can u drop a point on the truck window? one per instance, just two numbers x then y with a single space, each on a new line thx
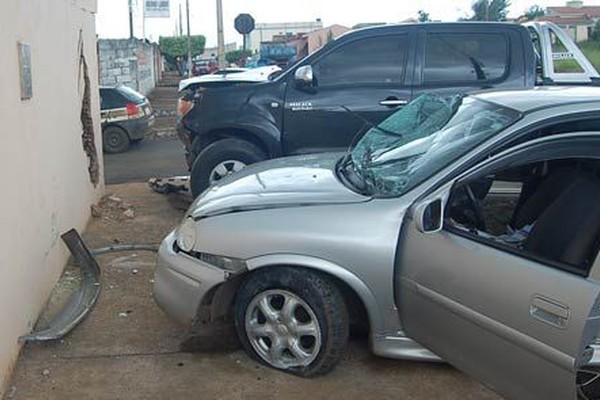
377 60
464 58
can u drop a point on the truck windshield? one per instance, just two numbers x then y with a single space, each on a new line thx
427 135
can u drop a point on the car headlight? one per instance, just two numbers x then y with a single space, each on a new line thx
186 235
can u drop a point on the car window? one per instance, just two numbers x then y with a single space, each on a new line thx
377 60
131 94
544 210
110 98
464 58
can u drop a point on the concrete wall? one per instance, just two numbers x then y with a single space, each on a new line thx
130 62
46 188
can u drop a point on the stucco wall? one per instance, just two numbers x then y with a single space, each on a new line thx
130 62
46 187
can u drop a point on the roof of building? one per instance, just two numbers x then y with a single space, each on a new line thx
588 11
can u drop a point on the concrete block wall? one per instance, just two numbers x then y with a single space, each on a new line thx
129 62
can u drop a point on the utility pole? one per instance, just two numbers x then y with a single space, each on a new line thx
180 22
220 37
189 38
130 20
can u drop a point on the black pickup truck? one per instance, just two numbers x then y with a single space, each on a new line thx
328 98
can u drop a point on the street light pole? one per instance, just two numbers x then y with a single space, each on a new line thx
220 37
189 39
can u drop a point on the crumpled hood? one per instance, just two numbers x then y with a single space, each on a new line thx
285 182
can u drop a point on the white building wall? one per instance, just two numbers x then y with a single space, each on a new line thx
46 188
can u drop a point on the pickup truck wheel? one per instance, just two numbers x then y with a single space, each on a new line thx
292 320
220 159
114 140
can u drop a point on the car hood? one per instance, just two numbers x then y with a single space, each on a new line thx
259 74
285 182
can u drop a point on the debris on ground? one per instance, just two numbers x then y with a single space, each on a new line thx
46 372
113 208
177 189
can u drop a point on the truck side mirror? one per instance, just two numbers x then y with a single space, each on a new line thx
429 216
304 78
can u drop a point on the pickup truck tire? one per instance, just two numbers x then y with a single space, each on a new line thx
114 140
222 158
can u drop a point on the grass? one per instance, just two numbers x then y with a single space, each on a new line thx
591 49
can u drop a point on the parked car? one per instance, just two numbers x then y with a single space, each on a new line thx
204 66
464 228
322 101
126 117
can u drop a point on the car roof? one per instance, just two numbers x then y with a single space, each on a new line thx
531 99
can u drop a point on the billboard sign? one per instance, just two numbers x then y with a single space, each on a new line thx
156 9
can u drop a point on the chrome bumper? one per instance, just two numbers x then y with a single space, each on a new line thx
181 281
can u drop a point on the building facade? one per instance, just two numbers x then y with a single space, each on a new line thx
265 32
577 19
50 152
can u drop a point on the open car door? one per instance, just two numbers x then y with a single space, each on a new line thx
516 322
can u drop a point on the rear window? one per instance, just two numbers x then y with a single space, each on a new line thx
131 95
465 58
110 98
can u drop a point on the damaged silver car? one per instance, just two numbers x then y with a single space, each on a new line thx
465 229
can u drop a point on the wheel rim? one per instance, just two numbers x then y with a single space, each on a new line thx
115 140
224 169
283 329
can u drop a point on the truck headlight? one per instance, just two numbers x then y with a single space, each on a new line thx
186 235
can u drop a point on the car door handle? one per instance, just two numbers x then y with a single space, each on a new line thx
549 311
393 102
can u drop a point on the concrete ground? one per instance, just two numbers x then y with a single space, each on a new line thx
128 348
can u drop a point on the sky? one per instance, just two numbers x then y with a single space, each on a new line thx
112 17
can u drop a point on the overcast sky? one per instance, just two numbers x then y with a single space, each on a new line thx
112 17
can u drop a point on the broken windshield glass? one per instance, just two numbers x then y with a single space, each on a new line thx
425 136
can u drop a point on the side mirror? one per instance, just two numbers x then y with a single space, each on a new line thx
429 216
304 78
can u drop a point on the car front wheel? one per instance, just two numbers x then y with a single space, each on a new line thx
293 320
220 159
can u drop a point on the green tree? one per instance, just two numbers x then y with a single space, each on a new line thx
534 12
330 37
173 47
237 57
423 16
595 36
490 10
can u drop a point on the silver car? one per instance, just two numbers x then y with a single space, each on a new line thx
465 229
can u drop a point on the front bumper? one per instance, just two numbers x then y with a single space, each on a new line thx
181 281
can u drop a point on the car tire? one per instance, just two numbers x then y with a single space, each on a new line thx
114 140
220 159
292 319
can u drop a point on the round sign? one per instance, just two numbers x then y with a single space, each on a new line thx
244 24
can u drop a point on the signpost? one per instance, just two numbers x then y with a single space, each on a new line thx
244 24
157 9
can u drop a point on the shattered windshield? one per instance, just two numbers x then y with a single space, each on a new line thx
422 138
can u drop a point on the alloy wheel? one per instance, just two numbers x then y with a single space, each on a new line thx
224 169
283 329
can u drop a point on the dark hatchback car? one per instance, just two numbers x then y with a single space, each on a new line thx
126 117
